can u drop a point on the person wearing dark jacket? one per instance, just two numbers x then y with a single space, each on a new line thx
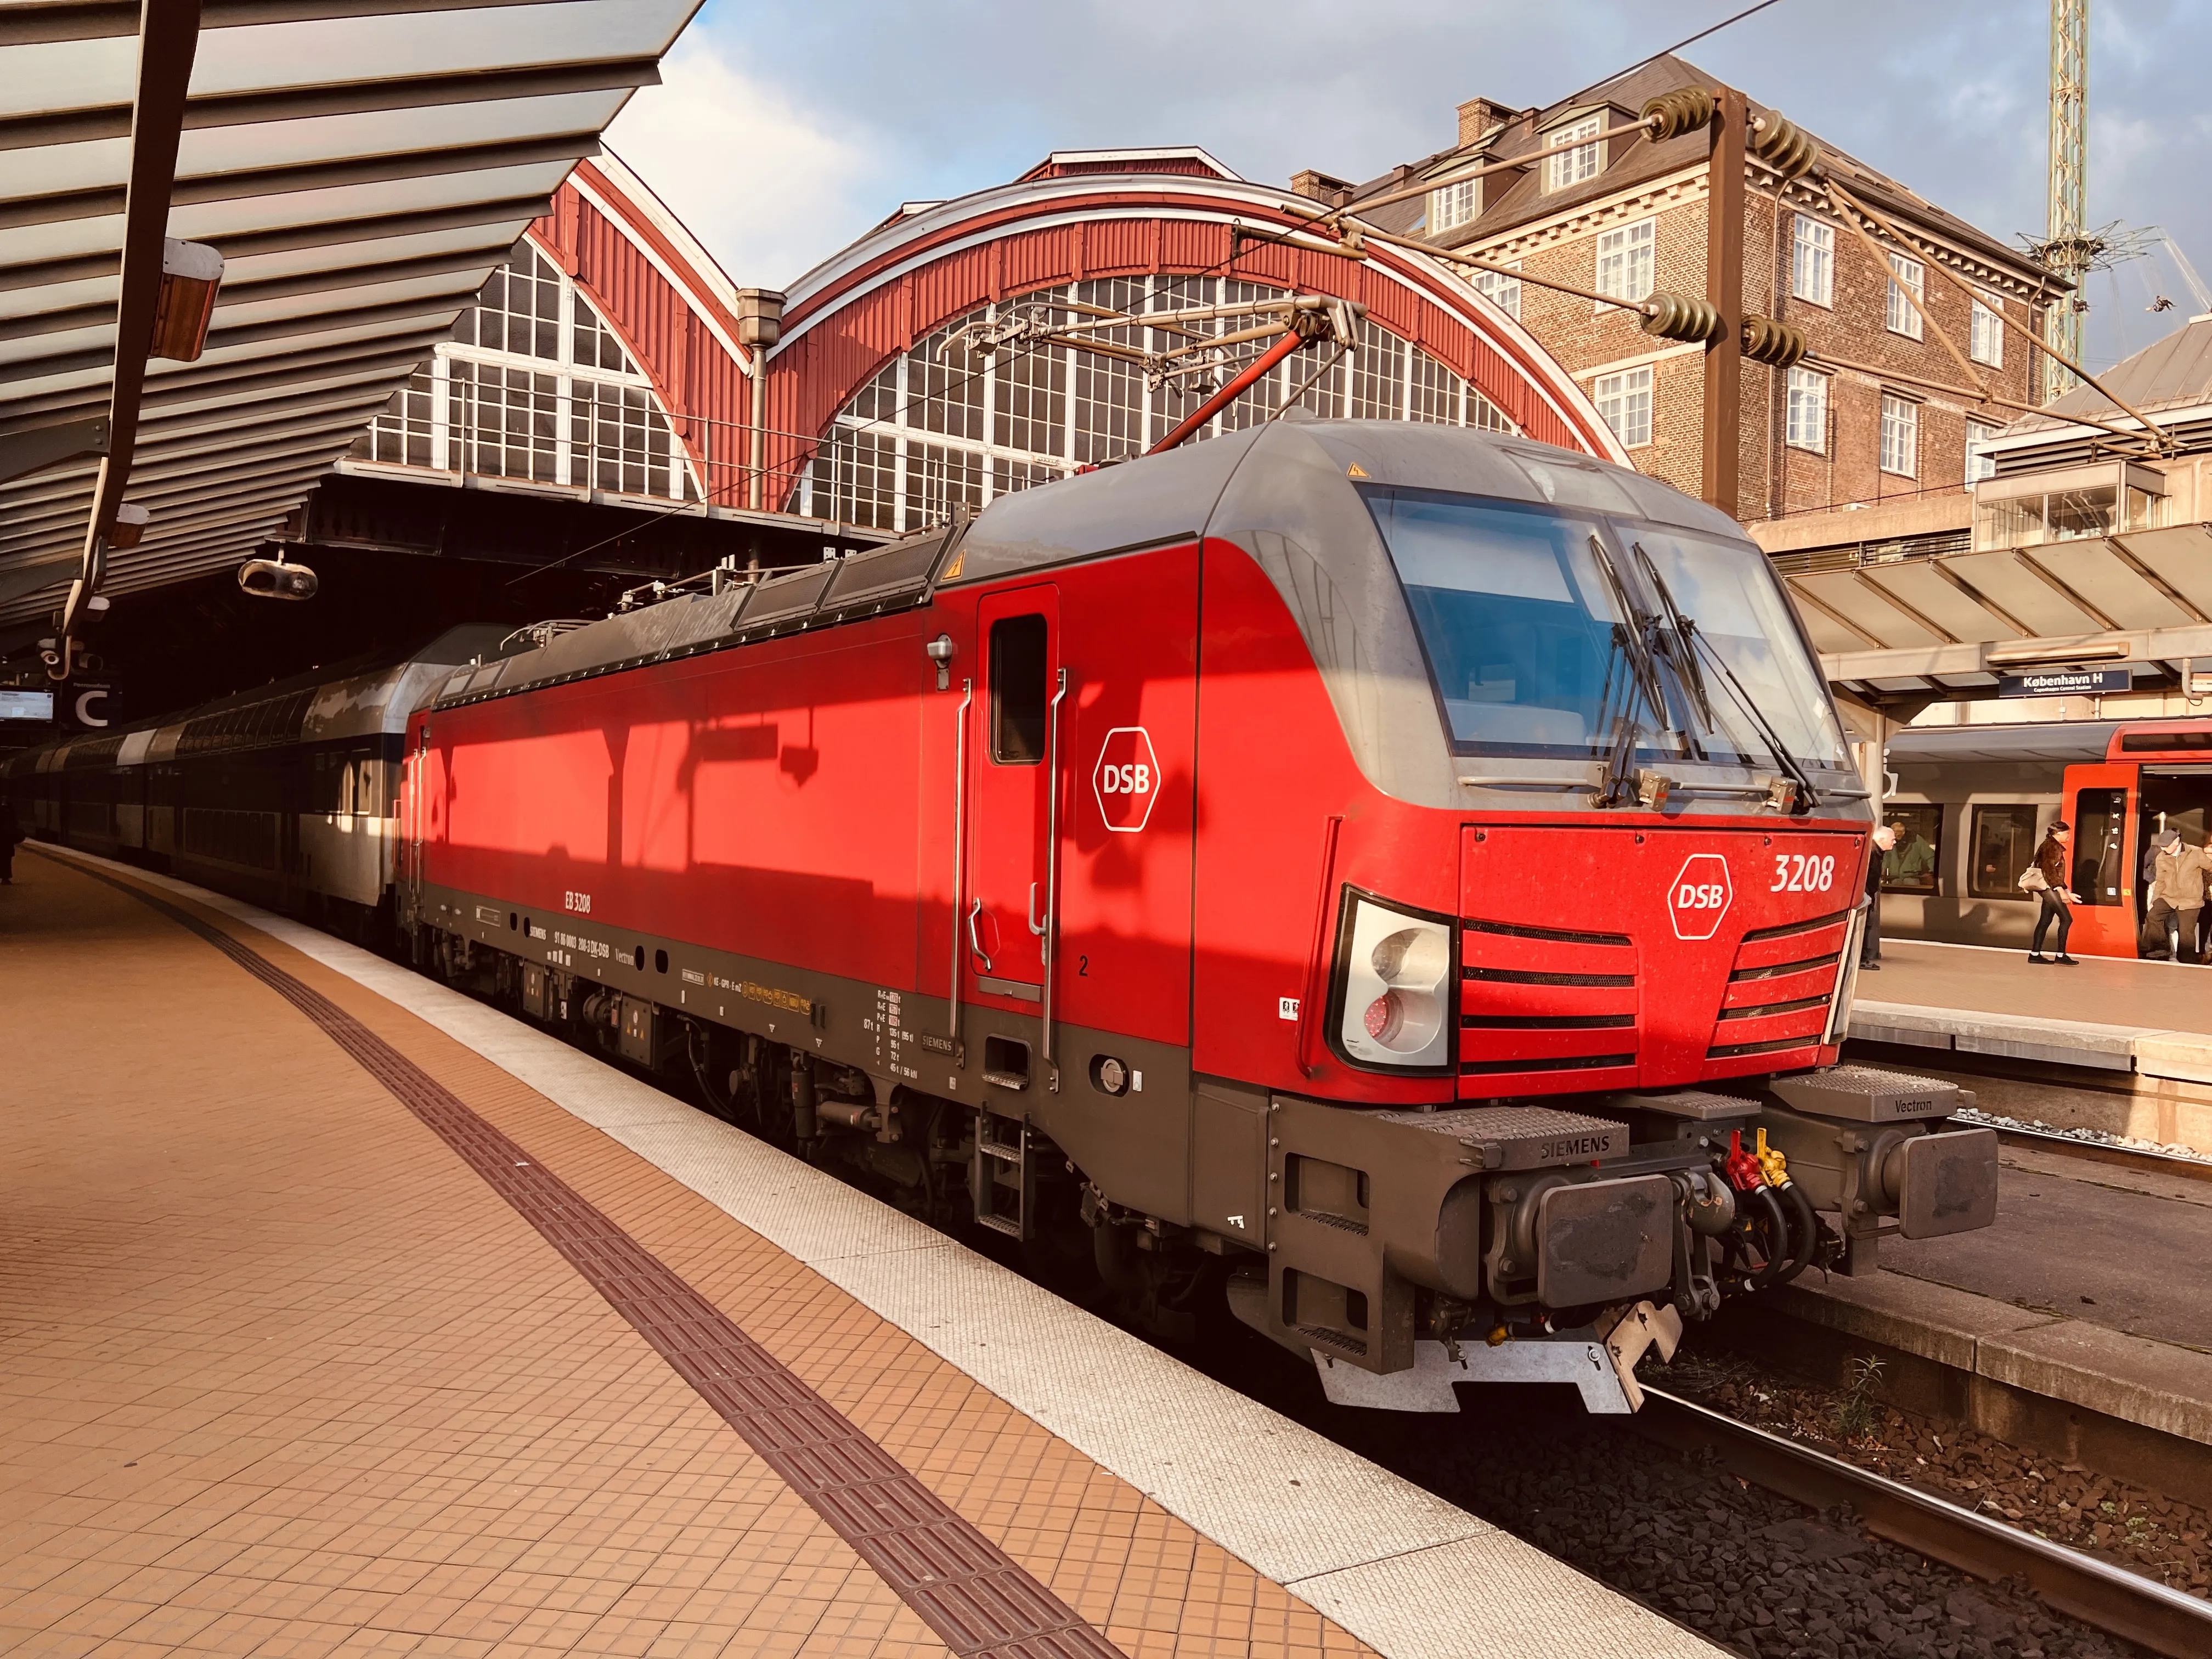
2050 859
1884 838
10 833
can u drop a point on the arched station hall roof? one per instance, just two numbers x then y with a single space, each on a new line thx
1084 215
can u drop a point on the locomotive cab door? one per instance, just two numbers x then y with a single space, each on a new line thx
2099 802
1013 754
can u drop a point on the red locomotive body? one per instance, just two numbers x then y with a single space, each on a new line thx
1244 854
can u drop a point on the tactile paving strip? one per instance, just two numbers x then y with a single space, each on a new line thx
971 1593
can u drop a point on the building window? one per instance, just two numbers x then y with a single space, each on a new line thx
1900 436
1908 280
1455 204
1625 400
1501 290
1807 426
1624 260
1979 464
1911 865
1986 343
1575 152
1813 261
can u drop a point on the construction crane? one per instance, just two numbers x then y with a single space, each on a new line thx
2069 249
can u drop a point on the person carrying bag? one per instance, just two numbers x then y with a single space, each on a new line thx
2045 878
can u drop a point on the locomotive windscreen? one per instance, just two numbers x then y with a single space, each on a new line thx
1546 629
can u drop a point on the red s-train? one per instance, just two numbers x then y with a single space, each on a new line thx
1243 854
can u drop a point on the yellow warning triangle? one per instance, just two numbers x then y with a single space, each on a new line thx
1356 471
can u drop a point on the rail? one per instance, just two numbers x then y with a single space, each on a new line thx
2119 1603
2141 1159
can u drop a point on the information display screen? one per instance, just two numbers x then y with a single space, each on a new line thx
26 705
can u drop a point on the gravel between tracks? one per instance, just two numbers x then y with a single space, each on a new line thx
1757 1573
2160 1537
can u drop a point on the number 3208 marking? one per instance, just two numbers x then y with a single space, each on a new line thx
1800 873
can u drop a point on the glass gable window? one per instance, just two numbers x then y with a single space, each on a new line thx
535 385
1527 616
1813 260
940 426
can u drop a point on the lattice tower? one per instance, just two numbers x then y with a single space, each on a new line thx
2069 249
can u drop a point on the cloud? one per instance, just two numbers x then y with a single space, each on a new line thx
844 111
767 184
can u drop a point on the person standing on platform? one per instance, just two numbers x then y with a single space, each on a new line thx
2177 895
1878 863
2050 860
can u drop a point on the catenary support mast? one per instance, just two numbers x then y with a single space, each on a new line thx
2067 246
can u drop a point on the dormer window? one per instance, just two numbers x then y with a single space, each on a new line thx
1576 151
1455 204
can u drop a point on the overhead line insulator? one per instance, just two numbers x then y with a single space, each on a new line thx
1681 316
1774 343
1686 109
1783 145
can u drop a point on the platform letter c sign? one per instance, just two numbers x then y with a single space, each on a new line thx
1700 896
1127 779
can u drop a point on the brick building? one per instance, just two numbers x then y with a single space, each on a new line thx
1612 210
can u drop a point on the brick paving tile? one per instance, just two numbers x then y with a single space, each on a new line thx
288 1381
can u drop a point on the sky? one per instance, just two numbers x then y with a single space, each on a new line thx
783 130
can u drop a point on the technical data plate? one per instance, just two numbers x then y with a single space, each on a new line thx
1866 1094
1521 1137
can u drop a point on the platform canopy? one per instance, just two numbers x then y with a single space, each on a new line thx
360 166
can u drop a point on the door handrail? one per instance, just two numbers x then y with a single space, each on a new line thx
959 845
1051 869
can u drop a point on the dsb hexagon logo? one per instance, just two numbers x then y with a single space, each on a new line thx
1700 896
1127 779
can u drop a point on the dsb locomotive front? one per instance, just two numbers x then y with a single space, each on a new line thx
1405 877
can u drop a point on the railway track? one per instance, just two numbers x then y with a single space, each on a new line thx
2138 1158
2110 1599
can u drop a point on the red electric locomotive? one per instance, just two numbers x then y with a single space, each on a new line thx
1416 869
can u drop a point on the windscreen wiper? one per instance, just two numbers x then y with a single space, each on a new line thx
1680 651
1633 635
1808 797
1690 640
1632 646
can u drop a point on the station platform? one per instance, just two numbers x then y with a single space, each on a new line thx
343 1315
2131 1040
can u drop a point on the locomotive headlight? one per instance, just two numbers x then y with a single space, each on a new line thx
1395 996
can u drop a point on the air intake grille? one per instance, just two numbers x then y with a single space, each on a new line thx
1535 1002
1778 988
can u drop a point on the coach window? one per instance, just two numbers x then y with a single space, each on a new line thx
1910 866
1017 692
2004 843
